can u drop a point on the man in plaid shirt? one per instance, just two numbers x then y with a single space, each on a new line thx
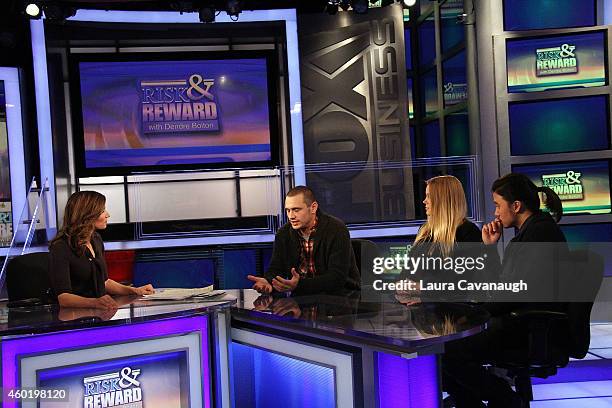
312 252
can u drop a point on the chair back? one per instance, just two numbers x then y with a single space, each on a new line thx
27 276
365 252
588 272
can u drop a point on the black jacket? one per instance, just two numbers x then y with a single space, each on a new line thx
527 250
334 258
535 255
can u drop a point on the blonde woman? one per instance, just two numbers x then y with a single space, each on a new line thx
446 225
446 210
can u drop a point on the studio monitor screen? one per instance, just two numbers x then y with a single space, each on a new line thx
582 186
152 112
576 60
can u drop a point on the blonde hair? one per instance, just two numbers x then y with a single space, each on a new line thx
448 210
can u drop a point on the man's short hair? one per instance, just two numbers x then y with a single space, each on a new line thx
309 196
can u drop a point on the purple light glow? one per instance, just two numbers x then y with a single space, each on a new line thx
12 350
407 383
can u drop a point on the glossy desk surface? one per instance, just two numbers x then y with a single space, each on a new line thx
387 324
51 318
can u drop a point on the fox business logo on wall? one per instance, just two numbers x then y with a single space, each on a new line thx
181 105
568 185
119 389
556 60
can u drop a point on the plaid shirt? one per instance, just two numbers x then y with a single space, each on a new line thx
307 265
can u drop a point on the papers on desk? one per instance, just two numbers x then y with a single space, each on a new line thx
181 294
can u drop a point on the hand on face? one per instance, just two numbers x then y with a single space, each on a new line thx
491 232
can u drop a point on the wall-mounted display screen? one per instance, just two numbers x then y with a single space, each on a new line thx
159 380
582 186
559 125
575 60
148 112
542 14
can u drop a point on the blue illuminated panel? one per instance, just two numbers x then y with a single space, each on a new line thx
427 43
265 379
408 49
540 14
558 126
431 143
407 383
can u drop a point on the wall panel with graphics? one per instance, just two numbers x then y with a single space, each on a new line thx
553 114
354 95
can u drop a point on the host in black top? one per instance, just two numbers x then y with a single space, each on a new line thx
77 270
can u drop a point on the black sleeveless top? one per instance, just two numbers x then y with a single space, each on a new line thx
81 275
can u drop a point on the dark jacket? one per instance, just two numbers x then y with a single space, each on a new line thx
334 258
534 255
526 251
70 272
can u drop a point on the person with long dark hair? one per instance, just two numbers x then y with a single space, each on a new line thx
517 205
77 270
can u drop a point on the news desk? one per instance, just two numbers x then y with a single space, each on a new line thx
146 354
240 350
330 351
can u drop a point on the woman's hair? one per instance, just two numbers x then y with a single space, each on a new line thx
82 210
518 187
448 210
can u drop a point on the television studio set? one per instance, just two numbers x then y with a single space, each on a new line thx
358 203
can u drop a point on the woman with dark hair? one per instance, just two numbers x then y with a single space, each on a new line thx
77 270
530 257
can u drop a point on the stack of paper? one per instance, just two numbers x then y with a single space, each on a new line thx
178 293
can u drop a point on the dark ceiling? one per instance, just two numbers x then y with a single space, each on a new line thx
300 5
